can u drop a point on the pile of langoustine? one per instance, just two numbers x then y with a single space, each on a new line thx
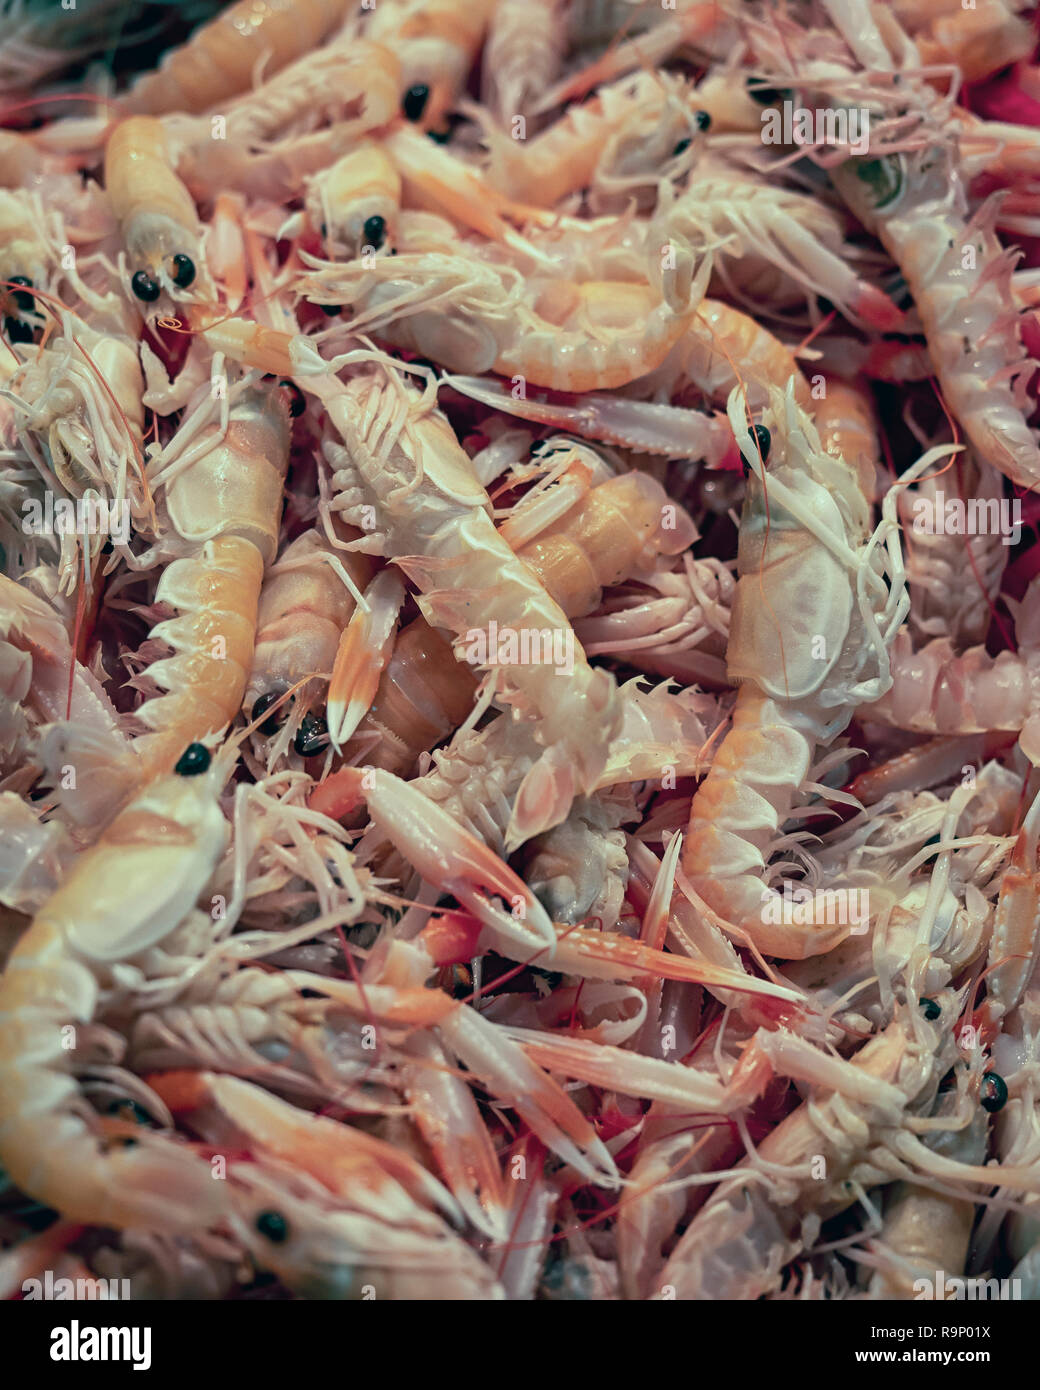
353 952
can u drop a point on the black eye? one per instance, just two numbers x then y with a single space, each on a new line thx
680 147
415 100
993 1092
195 759
297 405
766 96
312 737
273 1226
18 332
261 706
183 271
703 119
764 440
25 302
930 1009
374 231
144 286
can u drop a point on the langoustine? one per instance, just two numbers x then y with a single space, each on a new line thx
459 939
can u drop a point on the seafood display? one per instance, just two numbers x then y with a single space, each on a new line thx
520 649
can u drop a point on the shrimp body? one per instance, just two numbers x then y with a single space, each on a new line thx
566 157
1008 1021
25 247
720 342
675 622
980 40
436 42
613 532
788 229
739 1242
656 726
919 213
355 202
424 693
844 416
231 483
224 508
235 1024
790 700
350 85
941 605
707 29
156 213
648 1216
501 756
593 336
373 1216
304 609
616 532
469 576
40 679
332 1251
928 1231
123 896
437 180
585 338
88 383
522 55
222 57
397 999
735 817
936 691
455 862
